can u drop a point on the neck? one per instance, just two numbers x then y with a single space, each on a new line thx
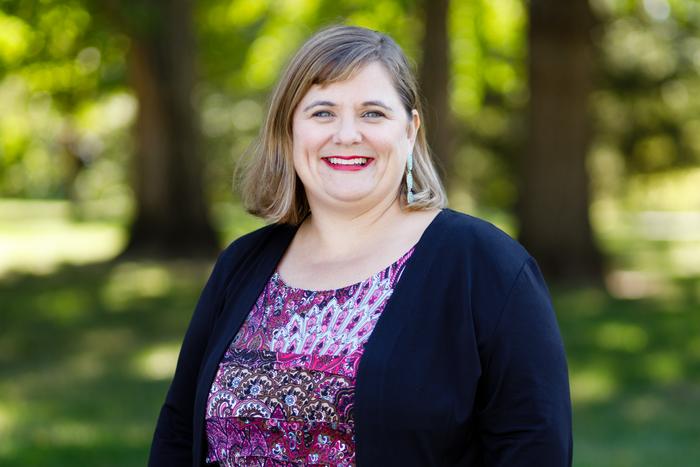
338 234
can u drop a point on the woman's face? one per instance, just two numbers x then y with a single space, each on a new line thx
351 140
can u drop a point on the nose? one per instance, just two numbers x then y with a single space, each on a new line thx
347 132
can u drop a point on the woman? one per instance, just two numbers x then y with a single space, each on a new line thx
367 324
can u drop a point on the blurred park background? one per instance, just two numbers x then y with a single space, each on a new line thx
573 125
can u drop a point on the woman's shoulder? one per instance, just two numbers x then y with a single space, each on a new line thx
492 262
467 247
256 242
469 235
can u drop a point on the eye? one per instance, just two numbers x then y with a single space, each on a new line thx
322 114
373 114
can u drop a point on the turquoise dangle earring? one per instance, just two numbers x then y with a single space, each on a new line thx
409 178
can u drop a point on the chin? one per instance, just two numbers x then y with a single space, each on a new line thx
350 195
347 192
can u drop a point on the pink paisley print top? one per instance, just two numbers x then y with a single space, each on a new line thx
284 391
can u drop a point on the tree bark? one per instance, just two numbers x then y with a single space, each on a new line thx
171 216
553 193
435 84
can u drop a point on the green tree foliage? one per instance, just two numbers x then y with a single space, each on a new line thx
65 105
647 107
489 92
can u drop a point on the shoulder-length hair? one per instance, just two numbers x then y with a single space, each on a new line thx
270 187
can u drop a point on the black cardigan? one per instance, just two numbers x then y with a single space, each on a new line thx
465 367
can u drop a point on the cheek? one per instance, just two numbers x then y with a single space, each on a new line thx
307 137
394 144
307 143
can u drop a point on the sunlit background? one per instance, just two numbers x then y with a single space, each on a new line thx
89 337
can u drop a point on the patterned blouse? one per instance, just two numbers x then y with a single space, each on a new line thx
284 391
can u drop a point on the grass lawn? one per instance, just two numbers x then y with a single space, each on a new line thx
87 346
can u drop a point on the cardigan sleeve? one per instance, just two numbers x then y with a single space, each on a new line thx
172 441
524 409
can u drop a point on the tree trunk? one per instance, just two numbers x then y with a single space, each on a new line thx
553 194
171 216
435 84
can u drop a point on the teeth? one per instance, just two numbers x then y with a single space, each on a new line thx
354 161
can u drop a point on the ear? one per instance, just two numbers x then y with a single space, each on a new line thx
413 126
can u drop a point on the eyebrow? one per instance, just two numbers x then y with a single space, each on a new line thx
378 104
318 103
332 104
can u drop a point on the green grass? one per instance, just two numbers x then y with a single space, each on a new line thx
87 346
85 356
635 378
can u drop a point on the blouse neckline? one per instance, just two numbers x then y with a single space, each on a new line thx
410 252
384 271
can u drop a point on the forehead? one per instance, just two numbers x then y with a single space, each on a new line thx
371 81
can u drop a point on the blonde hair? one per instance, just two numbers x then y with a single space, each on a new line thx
270 187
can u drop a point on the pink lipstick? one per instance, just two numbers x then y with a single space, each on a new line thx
348 163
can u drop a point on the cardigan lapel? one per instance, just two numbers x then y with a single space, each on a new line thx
370 377
243 290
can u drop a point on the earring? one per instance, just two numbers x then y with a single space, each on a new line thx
409 178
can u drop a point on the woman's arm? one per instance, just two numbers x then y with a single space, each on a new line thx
172 441
524 408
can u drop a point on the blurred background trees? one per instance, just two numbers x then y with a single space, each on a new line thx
171 216
553 195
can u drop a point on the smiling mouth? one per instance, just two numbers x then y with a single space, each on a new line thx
351 163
